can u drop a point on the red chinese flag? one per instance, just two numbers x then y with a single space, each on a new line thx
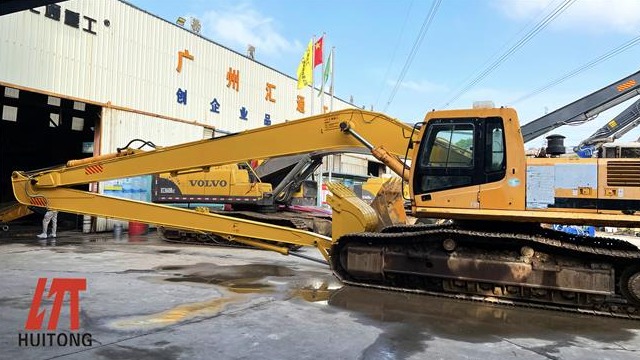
317 52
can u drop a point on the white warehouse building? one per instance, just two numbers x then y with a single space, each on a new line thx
82 78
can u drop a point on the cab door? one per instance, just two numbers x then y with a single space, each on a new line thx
445 173
458 160
496 192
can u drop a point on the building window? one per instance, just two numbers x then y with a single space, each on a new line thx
11 93
72 18
207 133
79 105
52 11
54 119
9 113
77 123
52 100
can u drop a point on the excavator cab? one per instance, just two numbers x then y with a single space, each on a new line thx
465 154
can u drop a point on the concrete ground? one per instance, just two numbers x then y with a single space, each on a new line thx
147 299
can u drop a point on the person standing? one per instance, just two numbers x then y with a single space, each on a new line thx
49 216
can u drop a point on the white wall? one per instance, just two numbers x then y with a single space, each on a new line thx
132 63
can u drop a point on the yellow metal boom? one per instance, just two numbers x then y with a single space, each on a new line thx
48 188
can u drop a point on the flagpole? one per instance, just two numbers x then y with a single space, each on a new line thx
322 76
332 68
322 89
313 51
319 192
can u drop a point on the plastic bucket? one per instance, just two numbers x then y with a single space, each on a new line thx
117 230
136 228
86 224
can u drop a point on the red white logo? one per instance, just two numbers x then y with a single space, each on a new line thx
36 335
59 287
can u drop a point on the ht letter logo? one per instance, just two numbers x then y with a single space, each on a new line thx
59 287
34 336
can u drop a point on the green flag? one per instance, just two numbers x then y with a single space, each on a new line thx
327 71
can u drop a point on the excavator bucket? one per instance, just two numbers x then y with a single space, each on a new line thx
10 212
350 214
389 204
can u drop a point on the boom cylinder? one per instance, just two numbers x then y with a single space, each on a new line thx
395 164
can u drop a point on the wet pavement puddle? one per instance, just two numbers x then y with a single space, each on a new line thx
412 320
236 285
408 321
177 314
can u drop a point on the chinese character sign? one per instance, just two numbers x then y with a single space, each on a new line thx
182 96
215 106
233 79
243 113
300 104
269 97
183 54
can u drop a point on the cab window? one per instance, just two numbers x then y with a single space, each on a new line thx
449 156
451 147
460 152
495 160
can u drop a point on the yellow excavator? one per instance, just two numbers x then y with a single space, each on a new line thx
468 166
236 190
10 212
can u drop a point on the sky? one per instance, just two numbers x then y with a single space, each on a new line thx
374 39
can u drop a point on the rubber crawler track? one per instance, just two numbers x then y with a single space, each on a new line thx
558 242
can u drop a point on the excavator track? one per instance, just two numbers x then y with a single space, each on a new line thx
289 219
193 238
535 268
196 238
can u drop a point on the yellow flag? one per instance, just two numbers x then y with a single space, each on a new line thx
305 69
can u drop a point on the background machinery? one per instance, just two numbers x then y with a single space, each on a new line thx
626 121
236 190
278 191
467 165
12 211
587 108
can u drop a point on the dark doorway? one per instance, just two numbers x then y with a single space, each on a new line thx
40 131
375 168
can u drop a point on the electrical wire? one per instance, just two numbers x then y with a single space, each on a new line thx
504 46
414 50
393 56
613 52
523 41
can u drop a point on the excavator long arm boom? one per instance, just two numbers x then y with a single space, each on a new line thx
289 138
49 188
230 228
